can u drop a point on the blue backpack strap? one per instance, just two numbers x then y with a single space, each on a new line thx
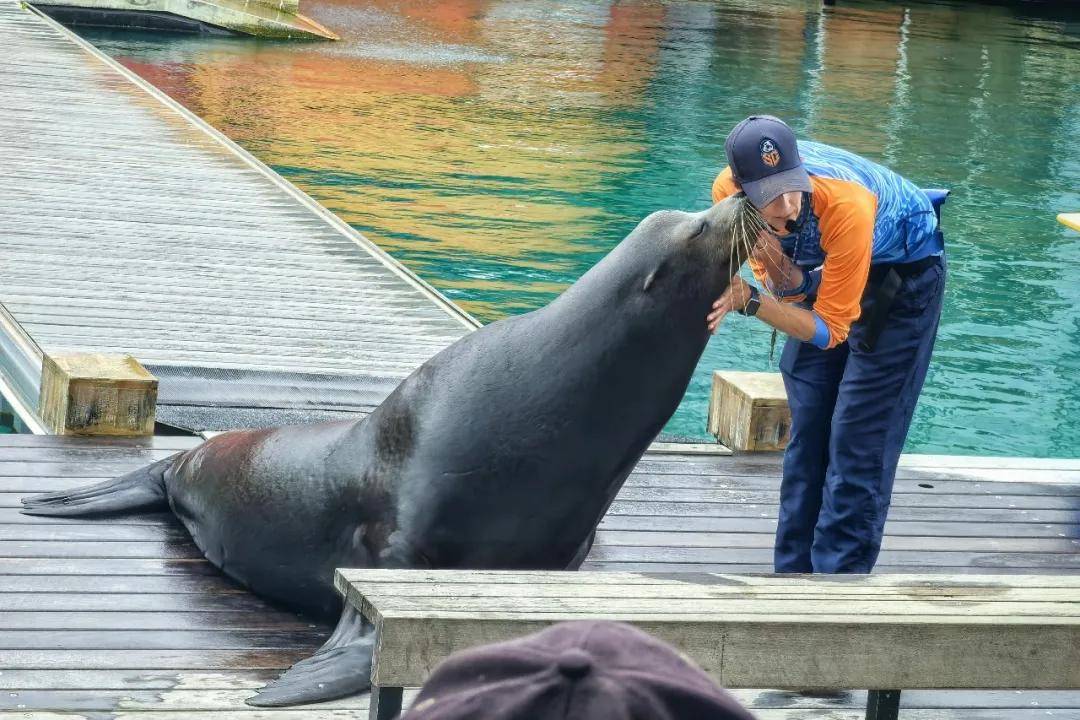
937 197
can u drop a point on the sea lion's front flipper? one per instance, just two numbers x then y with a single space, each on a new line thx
341 667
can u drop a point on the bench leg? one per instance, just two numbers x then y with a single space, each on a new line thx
385 703
883 705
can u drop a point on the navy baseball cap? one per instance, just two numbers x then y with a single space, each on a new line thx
764 159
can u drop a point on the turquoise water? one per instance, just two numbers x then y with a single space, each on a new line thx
500 148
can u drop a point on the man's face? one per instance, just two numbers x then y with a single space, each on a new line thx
779 211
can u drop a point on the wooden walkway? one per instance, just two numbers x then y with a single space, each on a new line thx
123 618
131 226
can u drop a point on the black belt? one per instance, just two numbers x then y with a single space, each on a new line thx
883 284
878 272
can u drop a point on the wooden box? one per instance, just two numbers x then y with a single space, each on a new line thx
748 411
97 394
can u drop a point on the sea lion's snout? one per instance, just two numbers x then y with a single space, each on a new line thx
732 230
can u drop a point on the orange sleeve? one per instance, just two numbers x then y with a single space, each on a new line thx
724 186
846 212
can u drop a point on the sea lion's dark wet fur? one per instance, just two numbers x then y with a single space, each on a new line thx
502 451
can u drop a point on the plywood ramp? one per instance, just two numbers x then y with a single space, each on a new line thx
132 227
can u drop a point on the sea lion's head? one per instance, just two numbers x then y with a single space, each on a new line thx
680 262
663 278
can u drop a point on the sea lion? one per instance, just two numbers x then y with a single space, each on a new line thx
502 451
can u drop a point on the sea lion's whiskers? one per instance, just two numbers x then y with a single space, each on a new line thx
734 246
777 256
748 229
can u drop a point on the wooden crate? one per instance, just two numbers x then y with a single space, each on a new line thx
97 394
748 411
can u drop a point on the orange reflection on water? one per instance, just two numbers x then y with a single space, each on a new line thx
430 122
859 58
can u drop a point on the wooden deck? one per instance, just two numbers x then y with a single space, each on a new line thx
131 226
123 618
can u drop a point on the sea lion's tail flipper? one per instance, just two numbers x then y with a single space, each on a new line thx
141 490
341 667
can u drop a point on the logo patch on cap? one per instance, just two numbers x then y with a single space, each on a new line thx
770 154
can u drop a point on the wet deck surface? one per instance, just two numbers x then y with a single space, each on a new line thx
131 227
123 617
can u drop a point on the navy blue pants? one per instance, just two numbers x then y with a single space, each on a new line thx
850 414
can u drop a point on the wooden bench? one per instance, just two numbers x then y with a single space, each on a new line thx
825 632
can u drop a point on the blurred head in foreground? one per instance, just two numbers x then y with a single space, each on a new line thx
585 670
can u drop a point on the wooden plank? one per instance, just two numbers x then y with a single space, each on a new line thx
59 453
752 654
230 698
90 470
702 531
16 442
694 497
56 600
712 502
742 465
682 449
906 558
162 659
943 591
897 512
614 538
245 713
919 714
98 533
257 618
894 528
233 680
924 699
82 679
48 481
172 700
103 584
900 488
490 577
987 461
835 609
12 516
631 493
105 566
914 460
116 550
942 569
764 714
170 639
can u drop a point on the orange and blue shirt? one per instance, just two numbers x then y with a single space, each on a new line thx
860 213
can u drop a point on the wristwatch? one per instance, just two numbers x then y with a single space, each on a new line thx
753 304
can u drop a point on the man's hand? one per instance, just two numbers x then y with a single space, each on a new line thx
734 298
